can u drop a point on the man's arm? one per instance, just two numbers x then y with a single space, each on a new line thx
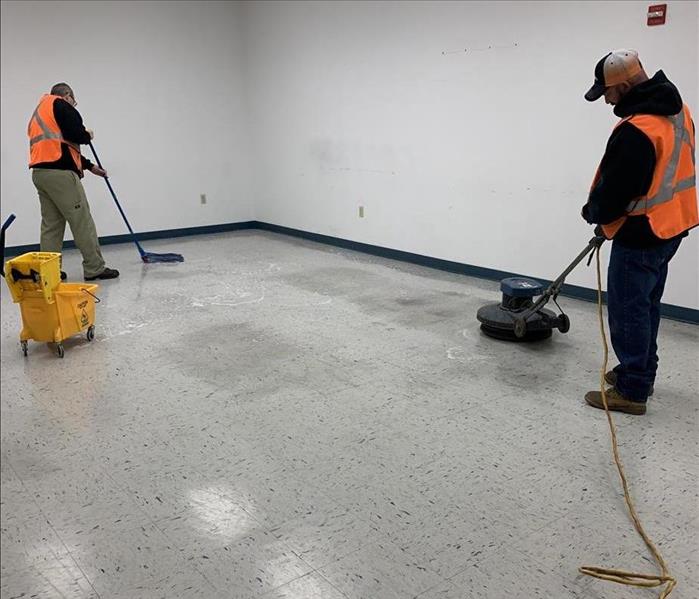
70 122
626 172
73 130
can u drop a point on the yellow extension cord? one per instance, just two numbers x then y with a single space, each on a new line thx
621 576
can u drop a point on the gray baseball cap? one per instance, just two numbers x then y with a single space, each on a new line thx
614 68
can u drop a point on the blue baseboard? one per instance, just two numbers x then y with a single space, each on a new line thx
17 250
575 291
670 311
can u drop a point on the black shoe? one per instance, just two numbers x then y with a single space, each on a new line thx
107 273
64 276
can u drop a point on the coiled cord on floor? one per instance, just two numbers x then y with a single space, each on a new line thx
622 576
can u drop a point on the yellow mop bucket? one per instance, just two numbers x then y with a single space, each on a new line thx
35 271
51 311
72 311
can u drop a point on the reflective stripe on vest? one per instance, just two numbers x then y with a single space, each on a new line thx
667 190
46 146
47 133
671 203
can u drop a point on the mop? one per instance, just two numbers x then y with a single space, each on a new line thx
147 257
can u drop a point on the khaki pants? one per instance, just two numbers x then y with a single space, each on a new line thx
63 199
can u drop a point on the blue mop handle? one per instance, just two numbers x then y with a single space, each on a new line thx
121 211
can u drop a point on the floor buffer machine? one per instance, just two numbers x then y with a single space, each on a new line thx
519 317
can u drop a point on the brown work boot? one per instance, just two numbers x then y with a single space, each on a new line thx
616 402
610 377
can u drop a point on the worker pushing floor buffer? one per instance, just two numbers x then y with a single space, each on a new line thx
518 317
147 257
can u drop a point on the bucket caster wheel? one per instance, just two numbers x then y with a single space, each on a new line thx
520 328
90 332
563 323
60 350
25 348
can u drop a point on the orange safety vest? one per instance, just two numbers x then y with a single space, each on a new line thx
671 202
45 137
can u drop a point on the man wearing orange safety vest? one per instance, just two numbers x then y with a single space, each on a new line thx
55 132
644 197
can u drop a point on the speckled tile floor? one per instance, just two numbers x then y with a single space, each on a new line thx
274 418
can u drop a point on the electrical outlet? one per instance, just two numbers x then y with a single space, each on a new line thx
202 197
361 212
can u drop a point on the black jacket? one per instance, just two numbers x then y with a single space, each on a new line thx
71 124
628 164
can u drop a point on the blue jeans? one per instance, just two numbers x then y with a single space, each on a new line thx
635 284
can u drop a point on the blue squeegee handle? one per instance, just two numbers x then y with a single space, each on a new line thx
121 211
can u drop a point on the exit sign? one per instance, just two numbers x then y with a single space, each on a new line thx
656 14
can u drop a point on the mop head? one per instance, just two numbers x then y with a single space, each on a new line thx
150 257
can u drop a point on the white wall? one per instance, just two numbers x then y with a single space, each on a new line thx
481 156
159 82
296 113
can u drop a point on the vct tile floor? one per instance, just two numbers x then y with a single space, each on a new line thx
274 418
